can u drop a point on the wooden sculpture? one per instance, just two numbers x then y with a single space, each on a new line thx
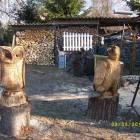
106 82
13 68
107 73
15 108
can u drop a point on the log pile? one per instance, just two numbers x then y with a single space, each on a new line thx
76 29
38 44
73 29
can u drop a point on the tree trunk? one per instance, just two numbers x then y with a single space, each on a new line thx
15 120
103 108
133 55
10 98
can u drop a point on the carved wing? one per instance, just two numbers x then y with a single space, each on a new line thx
19 54
5 56
100 71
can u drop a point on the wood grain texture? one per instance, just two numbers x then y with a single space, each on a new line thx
15 121
10 98
108 73
102 108
15 108
12 68
38 45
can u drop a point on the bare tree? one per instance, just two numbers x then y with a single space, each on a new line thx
101 8
8 8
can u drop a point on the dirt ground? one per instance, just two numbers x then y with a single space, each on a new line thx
59 108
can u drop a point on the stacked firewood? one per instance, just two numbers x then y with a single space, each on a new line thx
73 29
77 29
38 44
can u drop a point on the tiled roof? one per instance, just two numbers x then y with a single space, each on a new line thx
103 21
30 24
92 18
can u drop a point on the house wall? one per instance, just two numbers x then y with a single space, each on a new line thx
38 44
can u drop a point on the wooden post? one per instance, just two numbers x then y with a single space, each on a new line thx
15 108
15 121
133 55
103 108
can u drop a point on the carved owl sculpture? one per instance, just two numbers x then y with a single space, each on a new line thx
107 73
12 67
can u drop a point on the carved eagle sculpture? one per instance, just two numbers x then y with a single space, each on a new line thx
12 67
107 73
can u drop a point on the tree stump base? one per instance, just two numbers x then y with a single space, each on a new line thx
10 98
15 121
103 108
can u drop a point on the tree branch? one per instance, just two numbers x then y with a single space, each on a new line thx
2 11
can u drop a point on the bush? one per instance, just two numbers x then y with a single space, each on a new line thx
6 37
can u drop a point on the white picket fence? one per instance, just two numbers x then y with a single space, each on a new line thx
76 41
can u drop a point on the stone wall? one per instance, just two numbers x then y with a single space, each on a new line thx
38 44
125 55
125 51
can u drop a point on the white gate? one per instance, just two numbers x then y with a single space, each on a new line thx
76 41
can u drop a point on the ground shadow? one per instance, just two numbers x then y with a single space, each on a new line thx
76 109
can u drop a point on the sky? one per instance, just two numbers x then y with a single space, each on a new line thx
117 4
88 4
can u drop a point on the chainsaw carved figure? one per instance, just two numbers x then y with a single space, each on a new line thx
107 73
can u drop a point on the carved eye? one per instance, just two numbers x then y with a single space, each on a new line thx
20 54
8 55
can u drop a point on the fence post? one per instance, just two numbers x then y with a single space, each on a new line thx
67 41
88 40
91 41
79 44
85 39
76 41
73 47
64 44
